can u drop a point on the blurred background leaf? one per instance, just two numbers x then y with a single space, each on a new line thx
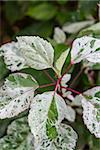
43 11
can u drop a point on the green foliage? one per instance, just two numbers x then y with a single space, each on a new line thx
25 90
11 140
34 29
43 11
3 68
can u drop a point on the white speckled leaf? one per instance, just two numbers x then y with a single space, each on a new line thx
64 81
76 26
70 112
85 48
65 140
91 110
94 58
59 35
12 57
60 61
37 52
46 113
18 136
16 94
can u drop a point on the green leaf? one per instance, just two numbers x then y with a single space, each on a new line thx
45 117
94 143
43 11
3 70
18 136
41 77
42 29
91 5
14 10
91 110
16 94
62 2
21 81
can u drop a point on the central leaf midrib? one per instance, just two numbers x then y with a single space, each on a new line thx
51 121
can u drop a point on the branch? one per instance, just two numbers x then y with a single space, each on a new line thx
72 90
46 85
49 76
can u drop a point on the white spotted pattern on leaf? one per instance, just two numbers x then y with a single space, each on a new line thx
91 110
45 116
18 136
37 52
12 57
85 48
16 94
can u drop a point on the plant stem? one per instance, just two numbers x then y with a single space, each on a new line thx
49 76
79 73
60 78
57 73
57 84
72 90
46 85
68 68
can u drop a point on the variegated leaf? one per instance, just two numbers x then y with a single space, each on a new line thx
16 94
65 140
61 60
85 48
46 113
12 57
18 136
76 26
91 65
64 81
37 52
91 110
59 35
92 30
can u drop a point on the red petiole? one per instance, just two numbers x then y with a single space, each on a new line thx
46 85
49 76
59 80
72 90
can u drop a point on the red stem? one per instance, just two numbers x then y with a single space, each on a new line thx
56 87
59 79
79 73
46 85
72 90
49 76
